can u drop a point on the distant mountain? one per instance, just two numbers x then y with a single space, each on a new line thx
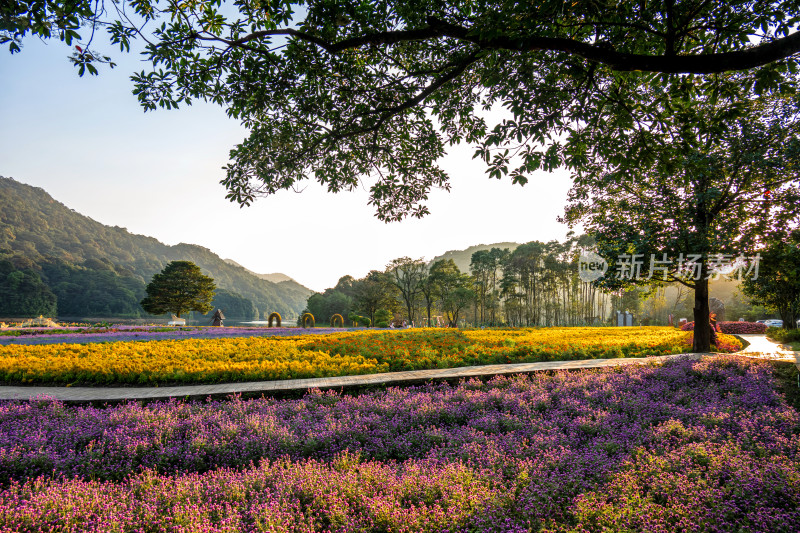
96 270
277 277
462 258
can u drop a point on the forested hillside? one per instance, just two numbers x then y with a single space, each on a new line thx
92 270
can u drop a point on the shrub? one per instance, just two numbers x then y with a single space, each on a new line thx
784 335
733 328
357 319
383 315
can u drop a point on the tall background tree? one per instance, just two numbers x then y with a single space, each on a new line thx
486 268
453 288
407 275
711 167
179 288
375 291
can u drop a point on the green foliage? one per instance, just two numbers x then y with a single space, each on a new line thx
331 302
179 288
407 276
94 289
784 335
23 293
233 305
341 91
59 19
383 315
382 318
352 295
373 291
484 265
717 173
357 320
778 283
454 289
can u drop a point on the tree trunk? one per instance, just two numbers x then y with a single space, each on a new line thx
789 317
702 328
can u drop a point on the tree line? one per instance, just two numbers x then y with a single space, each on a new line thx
536 284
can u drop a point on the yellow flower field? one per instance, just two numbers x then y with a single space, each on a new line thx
304 356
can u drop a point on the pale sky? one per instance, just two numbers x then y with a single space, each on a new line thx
88 144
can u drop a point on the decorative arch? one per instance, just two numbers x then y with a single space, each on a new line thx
337 318
277 318
307 317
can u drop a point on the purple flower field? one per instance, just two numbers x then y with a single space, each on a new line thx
687 446
149 333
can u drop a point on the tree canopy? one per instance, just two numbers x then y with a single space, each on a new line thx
778 283
179 288
23 293
346 92
453 288
696 188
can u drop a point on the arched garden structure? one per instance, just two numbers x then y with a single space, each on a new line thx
276 317
337 319
306 318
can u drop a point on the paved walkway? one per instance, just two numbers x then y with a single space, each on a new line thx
101 394
759 347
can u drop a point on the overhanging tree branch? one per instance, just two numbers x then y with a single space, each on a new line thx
603 53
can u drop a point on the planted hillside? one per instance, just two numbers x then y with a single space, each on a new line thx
99 270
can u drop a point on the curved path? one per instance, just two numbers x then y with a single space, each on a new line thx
760 347
112 394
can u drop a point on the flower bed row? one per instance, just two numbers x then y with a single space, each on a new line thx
306 356
140 333
733 328
688 446
432 348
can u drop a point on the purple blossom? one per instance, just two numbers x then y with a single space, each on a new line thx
703 445
151 333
